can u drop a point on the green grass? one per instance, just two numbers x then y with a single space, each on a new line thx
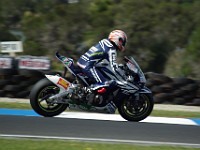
158 113
176 114
15 105
25 144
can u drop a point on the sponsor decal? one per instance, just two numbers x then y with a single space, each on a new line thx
63 83
67 62
97 54
114 60
5 63
36 64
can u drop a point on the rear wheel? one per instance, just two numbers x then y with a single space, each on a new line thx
136 110
39 99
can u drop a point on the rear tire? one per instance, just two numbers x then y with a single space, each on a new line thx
132 111
41 105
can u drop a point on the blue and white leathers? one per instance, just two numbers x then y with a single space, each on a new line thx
104 50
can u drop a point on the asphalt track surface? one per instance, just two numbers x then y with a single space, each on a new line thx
99 130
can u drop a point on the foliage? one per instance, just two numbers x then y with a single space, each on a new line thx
155 29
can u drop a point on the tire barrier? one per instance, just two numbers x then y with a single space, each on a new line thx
180 91
18 75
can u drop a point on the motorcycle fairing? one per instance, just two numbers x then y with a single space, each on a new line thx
63 84
126 87
68 62
145 90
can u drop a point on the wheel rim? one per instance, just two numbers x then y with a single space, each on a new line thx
43 99
135 109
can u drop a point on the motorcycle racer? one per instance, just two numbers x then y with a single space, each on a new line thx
106 49
54 94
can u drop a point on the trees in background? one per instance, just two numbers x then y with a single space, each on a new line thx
162 35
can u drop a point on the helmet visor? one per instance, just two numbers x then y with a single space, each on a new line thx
124 42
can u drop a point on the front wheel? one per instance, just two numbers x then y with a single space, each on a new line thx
136 110
39 101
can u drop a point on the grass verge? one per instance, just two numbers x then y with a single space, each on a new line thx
13 105
27 144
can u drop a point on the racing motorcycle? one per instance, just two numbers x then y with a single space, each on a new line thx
125 92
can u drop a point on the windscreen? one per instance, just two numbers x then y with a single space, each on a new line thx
133 65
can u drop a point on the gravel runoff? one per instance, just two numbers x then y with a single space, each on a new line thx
167 107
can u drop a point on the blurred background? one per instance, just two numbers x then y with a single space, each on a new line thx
163 35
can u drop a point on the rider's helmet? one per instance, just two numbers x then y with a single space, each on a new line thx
119 38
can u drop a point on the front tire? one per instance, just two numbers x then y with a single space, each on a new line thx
133 110
39 101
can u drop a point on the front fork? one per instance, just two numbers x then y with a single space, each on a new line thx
137 103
